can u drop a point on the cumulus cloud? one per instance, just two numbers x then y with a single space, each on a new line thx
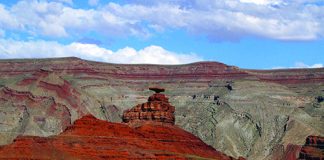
7 20
232 19
44 49
218 20
66 1
55 19
302 65
262 2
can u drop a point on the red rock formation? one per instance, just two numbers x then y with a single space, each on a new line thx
91 138
157 109
292 152
47 106
290 76
63 91
200 72
313 148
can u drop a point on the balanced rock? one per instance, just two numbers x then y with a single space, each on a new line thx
157 109
157 89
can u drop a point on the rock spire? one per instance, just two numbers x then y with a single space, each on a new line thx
157 109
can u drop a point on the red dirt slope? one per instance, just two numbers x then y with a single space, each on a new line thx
91 138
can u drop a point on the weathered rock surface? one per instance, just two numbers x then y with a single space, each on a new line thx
313 148
292 152
157 109
91 138
249 113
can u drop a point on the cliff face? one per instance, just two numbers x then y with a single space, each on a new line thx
240 112
313 148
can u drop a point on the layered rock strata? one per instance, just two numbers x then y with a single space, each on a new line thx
313 148
240 112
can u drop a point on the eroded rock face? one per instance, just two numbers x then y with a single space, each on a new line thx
91 138
237 111
157 109
313 148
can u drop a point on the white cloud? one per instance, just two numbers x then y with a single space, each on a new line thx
218 20
317 65
70 2
302 65
93 2
54 19
262 2
44 49
230 19
152 55
7 20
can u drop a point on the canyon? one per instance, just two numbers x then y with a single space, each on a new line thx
256 114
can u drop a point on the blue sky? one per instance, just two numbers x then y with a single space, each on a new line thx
257 34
